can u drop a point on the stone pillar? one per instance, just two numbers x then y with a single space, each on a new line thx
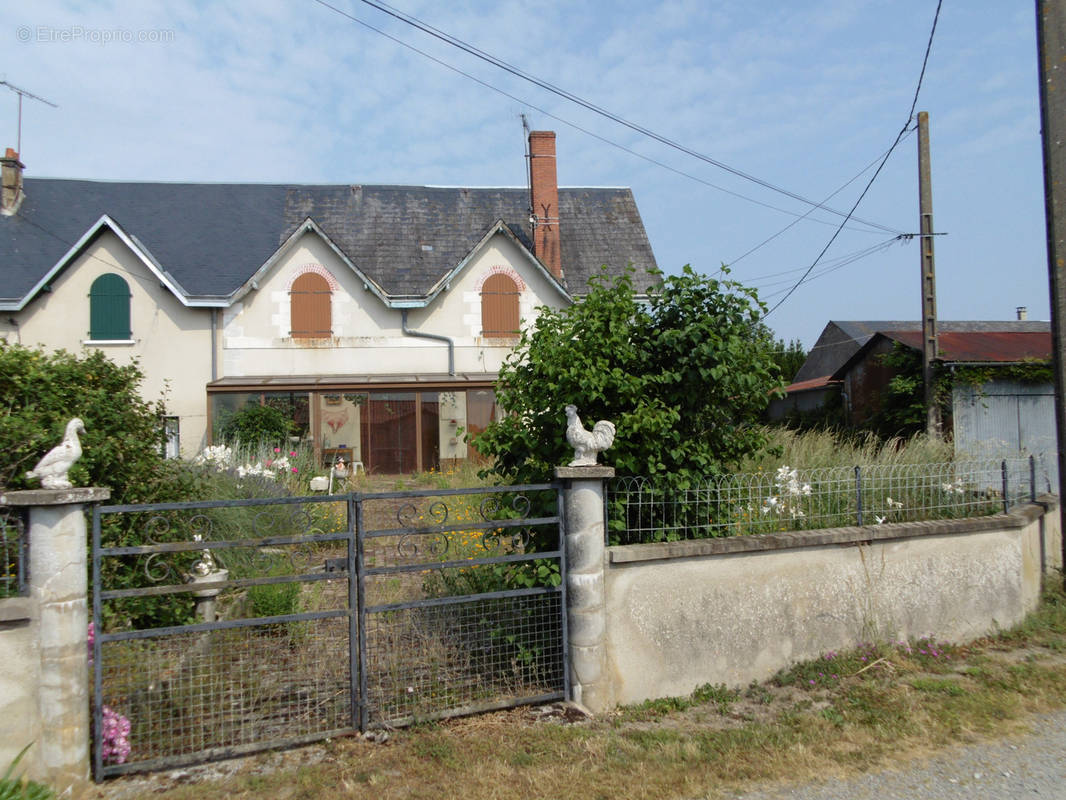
586 613
58 582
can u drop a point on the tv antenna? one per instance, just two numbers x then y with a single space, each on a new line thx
23 93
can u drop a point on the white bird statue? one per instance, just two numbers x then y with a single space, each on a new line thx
587 444
53 468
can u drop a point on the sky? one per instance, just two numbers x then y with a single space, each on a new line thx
805 96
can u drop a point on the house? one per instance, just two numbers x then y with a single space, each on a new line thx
1009 410
819 381
376 317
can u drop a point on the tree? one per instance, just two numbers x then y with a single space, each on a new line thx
683 375
789 357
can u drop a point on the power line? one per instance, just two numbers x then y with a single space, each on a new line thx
519 73
788 227
899 138
760 282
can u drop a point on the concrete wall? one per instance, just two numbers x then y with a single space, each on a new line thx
683 614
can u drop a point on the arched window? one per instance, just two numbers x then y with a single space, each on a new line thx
310 298
499 307
109 308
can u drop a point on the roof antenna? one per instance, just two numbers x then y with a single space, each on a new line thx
529 169
23 93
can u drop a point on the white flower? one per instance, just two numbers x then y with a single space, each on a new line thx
879 519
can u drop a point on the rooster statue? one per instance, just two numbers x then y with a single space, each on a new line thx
53 468
587 444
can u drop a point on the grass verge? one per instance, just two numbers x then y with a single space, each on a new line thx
843 713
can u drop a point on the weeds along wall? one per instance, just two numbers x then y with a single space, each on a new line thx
734 610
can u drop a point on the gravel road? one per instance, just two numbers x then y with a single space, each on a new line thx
1030 766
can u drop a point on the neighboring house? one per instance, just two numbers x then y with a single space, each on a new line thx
378 317
820 380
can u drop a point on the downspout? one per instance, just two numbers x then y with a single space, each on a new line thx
214 344
436 336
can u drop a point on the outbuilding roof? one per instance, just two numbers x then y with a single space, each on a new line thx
964 347
208 239
842 339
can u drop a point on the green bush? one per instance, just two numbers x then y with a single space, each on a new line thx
256 425
122 450
684 376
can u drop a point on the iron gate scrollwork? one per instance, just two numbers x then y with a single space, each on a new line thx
227 627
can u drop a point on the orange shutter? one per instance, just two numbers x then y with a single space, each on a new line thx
311 315
499 307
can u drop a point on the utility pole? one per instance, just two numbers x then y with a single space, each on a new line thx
925 214
1051 52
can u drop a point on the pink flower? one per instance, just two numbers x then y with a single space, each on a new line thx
277 449
270 461
292 454
295 470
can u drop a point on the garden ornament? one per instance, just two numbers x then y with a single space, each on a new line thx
587 444
53 468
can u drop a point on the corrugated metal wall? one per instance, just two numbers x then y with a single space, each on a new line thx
1006 418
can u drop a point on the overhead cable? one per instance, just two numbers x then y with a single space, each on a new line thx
899 138
499 63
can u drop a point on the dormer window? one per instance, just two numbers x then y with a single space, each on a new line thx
310 299
499 307
109 309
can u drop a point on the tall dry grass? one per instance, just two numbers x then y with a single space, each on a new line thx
816 449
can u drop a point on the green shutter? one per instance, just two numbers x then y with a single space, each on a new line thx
109 308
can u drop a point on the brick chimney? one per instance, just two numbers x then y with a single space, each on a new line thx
11 193
544 197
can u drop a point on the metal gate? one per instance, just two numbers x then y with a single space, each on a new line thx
227 627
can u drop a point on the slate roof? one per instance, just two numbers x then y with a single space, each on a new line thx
211 238
842 339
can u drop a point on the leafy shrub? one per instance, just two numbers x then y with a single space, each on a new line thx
122 449
256 425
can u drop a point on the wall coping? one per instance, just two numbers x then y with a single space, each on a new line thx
597 472
851 535
16 609
55 497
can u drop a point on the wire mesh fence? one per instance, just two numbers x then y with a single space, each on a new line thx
640 510
463 602
12 553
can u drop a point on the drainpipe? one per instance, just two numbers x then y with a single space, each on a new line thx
419 334
214 344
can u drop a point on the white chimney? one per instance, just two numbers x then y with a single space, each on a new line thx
1023 312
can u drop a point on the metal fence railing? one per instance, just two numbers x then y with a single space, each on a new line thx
640 510
12 553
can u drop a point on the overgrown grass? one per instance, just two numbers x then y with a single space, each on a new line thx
817 449
888 701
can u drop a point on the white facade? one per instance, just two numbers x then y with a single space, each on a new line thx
242 347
